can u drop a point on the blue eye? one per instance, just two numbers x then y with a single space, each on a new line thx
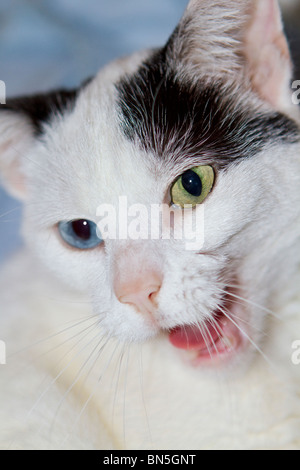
81 234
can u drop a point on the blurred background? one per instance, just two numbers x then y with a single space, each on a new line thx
46 44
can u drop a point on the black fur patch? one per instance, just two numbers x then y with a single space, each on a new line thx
177 120
40 107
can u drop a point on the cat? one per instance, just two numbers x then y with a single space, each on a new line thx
119 342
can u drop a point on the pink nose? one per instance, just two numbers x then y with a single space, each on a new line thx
141 293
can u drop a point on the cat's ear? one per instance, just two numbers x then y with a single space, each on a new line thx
268 60
236 38
21 123
16 139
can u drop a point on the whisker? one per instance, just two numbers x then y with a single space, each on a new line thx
47 338
117 381
74 346
244 321
78 375
55 379
9 212
142 393
213 322
204 335
124 396
83 408
46 375
258 349
244 300
68 301
101 349
80 333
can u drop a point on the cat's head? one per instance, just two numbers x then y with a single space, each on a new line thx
207 121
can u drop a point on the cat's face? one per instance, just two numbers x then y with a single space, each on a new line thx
182 125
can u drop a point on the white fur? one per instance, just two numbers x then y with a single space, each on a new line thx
65 384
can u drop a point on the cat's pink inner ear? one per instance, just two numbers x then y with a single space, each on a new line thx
16 138
268 59
15 181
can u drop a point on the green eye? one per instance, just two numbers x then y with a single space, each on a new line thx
193 186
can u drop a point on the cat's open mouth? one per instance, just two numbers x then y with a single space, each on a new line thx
212 341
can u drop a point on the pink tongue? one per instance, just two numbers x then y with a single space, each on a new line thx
191 337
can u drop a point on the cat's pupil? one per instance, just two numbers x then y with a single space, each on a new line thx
192 183
82 229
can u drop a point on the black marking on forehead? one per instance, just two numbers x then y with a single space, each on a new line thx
40 107
179 120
